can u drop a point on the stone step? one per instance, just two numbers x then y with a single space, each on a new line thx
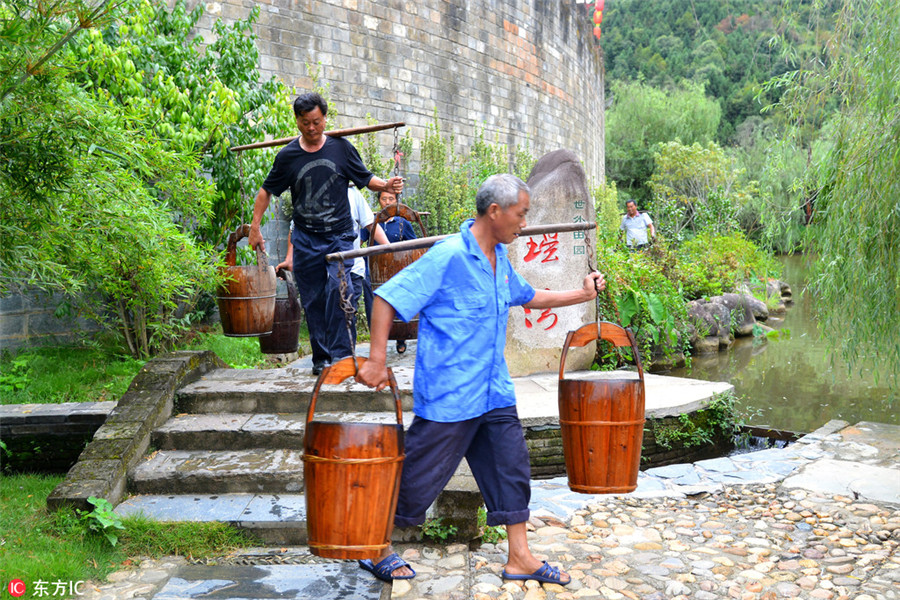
284 391
272 518
218 472
243 431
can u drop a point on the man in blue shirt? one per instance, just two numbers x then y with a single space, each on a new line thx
464 399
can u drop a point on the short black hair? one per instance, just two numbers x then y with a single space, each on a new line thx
307 102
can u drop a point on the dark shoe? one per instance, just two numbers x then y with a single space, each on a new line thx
401 346
386 567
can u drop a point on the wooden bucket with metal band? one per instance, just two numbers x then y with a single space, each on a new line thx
285 336
601 419
246 299
352 476
384 266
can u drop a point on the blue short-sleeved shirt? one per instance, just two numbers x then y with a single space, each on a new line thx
463 307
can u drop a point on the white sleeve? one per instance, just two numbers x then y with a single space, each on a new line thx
362 212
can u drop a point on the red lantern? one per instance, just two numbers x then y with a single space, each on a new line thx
598 4
597 31
598 17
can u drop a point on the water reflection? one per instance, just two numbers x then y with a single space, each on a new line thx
793 383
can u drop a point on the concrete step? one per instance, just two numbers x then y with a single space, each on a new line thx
284 391
218 472
242 431
272 518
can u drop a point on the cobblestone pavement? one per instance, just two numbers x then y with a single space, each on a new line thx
688 532
750 542
743 543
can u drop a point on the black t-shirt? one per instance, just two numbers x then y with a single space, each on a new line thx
318 182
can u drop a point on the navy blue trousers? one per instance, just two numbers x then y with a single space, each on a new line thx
319 285
494 446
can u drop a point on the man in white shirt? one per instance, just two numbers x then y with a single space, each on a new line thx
635 225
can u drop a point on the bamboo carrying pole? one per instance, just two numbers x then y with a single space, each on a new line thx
333 133
430 241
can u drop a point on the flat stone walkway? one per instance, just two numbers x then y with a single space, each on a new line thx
819 519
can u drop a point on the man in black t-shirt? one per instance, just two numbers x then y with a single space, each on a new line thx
317 169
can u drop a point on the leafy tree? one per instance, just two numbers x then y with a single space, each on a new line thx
93 204
195 99
448 182
856 212
696 188
643 117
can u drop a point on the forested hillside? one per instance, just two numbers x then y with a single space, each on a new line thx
728 46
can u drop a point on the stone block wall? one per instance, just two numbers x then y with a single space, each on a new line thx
29 319
526 72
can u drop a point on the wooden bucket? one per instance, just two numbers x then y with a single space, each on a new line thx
247 297
352 474
285 336
601 420
384 266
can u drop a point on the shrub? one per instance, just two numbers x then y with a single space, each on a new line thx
709 265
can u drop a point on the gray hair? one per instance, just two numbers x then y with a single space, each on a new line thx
502 190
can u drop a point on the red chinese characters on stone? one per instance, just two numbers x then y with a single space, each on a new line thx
548 319
546 248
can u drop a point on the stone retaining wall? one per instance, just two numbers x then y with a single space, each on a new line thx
47 438
102 467
545 447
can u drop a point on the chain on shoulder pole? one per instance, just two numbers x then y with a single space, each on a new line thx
347 307
396 151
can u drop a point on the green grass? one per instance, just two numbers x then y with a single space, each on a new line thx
96 371
38 545
57 374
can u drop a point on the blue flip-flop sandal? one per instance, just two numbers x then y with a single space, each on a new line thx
546 574
388 565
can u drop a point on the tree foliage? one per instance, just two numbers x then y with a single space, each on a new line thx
723 45
642 117
856 210
697 188
108 138
196 98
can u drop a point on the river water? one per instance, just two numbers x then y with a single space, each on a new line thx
792 383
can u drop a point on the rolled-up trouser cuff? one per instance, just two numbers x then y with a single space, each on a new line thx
400 521
508 517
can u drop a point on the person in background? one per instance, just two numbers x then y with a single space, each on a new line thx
317 169
464 399
396 229
636 225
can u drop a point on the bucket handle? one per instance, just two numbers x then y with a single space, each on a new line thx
288 277
602 330
262 260
343 369
395 210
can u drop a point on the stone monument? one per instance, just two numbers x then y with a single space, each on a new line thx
556 261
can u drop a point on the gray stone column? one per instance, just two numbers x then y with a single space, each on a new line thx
534 339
